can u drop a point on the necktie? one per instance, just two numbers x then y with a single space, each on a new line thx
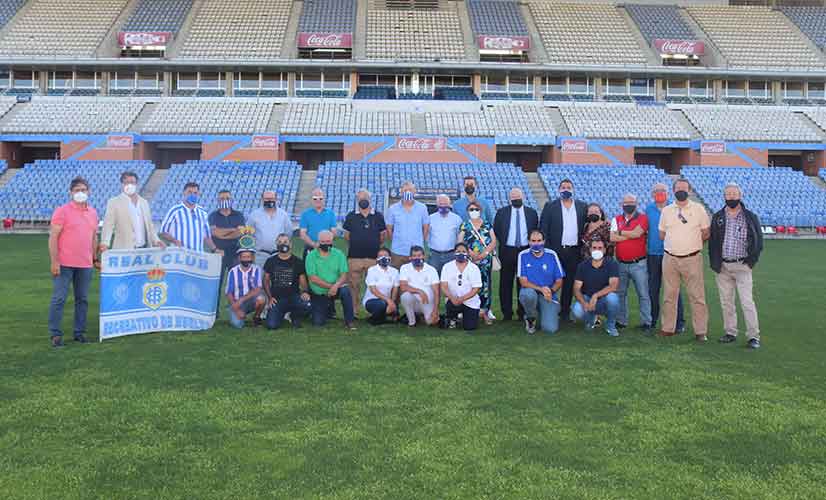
518 238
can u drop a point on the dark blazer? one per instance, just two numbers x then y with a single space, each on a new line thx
754 238
502 223
551 222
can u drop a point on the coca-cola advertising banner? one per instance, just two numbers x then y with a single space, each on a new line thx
264 142
144 38
712 147
680 47
325 40
574 146
120 142
501 42
421 144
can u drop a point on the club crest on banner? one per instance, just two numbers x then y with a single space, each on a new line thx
155 289
247 239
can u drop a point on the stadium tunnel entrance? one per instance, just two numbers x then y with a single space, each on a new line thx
528 157
663 158
18 154
313 154
165 154
794 159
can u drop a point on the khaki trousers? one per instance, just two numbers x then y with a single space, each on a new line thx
736 277
355 276
689 270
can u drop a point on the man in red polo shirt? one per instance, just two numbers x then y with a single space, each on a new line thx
73 242
629 233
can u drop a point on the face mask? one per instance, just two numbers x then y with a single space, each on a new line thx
224 204
593 218
474 214
283 248
470 189
192 198
516 203
246 263
681 195
629 209
383 261
269 204
597 254
732 203
325 247
417 262
566 195
537 247
461 257
444 210
364 204
407 196
660 197
80 197
130 189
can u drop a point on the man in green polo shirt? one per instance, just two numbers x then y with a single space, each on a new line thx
327 272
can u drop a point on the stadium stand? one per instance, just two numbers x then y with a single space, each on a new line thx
184 116
325 118
328 16
8 8
158 15
605 184
751 124
457 124
818 115
660 21
496 17
779 195
246 181
340 181
61 28
3 167
6 103
749 36
35 191
811 21
503 120
586 34
619 122
74 116
414 35
247 29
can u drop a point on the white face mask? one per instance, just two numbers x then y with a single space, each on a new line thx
130 189
474 214
80 197
597 255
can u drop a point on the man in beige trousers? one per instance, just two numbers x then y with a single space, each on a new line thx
128 221
684 227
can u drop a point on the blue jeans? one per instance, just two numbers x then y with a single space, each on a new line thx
638 273
655 281
79 278
247 307
607 306
377 308
320 306
439 259
293 304
548 310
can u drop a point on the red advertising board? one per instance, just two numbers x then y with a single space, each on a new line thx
120 142
712 147
144 38
264 142
680 47
502 42
325 40
421 144
574 146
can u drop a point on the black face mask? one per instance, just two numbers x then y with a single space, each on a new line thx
325 247
283 248
681 195
269 204
363 204
593 218
629 209
470 189
732 203
516 203
246 263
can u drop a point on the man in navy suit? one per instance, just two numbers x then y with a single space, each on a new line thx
512 225
562 222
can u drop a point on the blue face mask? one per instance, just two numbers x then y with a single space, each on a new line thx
444 210
566 195
384 261
192 198
407 196
537 247
460 257
417 262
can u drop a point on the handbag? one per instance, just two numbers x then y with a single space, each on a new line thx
495 263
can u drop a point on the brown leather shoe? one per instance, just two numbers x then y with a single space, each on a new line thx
663 333
700 339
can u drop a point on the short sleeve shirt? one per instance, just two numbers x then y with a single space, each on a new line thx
683 238
460 207
221 221
267 227
461 282
593 278
407 225
314 222
74 244
423 279
540 271
444 230
284 276
384 279
365 234
327 268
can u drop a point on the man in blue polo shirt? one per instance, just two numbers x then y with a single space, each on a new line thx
315 219
540 274
471 187
655 256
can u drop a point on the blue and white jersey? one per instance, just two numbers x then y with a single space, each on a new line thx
542 270
188 225
240 282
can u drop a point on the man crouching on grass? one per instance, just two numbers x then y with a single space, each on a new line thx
245 290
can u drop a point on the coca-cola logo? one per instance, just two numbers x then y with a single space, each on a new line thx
119 141
325 40
144 39
265 142
682 47
713 147
421 143
574 146
504 42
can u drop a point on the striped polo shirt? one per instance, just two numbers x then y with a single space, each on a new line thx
188 225
240 282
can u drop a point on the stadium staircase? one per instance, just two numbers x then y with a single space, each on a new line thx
537 52
143 116
8 117
276 118
686 123
289 49
305 190
712 55
559 123
540 194
651 57
417 124
471 48
817 181
154 183
360 32
109 45
812 124
183 32
7 175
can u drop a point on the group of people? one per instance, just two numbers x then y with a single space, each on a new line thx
569 263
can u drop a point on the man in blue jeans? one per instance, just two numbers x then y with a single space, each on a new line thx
326 268
628 232
540 275
244 290
654 261
595 287
285 283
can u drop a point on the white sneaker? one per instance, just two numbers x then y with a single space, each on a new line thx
490 314
530 326
287 317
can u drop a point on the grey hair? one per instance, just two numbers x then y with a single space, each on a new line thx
408 184
632 195
734 185
365 191
442 196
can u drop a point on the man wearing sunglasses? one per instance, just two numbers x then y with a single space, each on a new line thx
315 219
684 227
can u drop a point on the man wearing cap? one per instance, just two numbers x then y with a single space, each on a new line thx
244 290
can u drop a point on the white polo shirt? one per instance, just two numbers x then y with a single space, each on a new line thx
470 278
384 279
423 280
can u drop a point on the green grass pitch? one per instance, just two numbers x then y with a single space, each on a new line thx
428 414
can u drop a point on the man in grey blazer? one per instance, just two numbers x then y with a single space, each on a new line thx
128 221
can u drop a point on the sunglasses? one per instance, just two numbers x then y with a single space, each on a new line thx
317 198
460 279
680 216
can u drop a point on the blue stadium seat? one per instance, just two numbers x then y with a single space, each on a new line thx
8 8
660 21
158 15
496 17
328 16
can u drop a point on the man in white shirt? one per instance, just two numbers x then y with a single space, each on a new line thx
268 221
128 222
444 228
461 282
419 285
382 289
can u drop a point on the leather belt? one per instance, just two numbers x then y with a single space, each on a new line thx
631 261
440 251
692 254
734 261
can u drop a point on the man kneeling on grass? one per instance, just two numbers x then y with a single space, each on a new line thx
419 284
245 290
595 286
540 275
327 272
286 285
